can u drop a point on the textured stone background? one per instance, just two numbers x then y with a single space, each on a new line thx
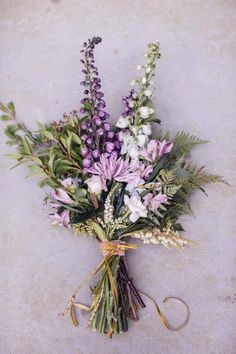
195 90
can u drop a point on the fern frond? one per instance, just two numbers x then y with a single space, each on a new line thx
184 142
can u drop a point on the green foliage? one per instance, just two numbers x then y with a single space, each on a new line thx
184 142
53 151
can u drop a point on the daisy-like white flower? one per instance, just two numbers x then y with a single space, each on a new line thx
112 168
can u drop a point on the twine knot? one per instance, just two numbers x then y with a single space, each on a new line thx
115 248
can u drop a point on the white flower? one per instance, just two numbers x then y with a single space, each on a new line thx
141 138
122 123
148 69
95 184
144 80
133 82
139 67
148 93
145 111
151 110
131 104
133 151
147 129
137 208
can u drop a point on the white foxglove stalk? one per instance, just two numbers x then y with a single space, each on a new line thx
133 151
136 207
141 139
147 129
144 80
148 93
122 123
145 112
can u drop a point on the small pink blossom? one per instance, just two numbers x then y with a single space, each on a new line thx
61 219
153 203
155 149
62 196
67 182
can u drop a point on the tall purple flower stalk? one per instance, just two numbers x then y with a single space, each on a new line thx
96 132
128 103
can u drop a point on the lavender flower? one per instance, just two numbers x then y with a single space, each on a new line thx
95 130
112 168
156 149
61 219
152 202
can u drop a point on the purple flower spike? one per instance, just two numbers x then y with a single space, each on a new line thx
86 162
89 141
84 137
100 132
110 146
110 135
95 154
107 126
102 114
98 121
84 151
84 126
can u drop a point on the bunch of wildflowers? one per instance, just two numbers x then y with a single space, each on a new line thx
112 183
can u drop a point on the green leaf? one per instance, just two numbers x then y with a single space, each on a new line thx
76 138
36 171
47 134
3 108
51 163
26 146
184 142
11 106
14 156
5 117
21 162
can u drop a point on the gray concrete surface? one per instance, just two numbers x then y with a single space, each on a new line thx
195 90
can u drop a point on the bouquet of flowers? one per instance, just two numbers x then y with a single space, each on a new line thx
113 183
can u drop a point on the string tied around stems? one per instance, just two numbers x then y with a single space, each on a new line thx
110 250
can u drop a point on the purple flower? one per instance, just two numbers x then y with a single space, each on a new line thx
95 154
164 147
67 182
84 151
62 219
87 162
110 146
113 168
152 202
107 127
62 196
155 149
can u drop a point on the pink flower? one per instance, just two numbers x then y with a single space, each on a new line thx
96 184
155 149
153 203
61 219
145 171
112 168
164 147
62 196
67 182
